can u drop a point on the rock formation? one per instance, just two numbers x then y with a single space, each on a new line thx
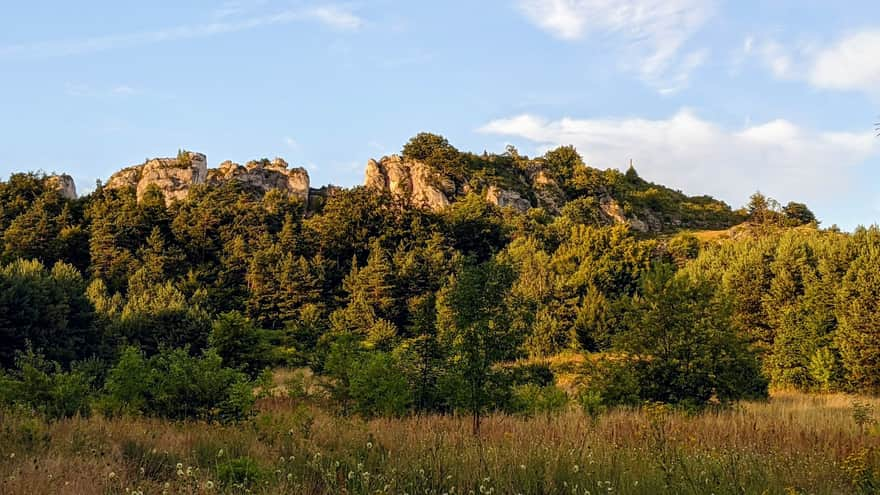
173 176
64 184
411 181
265 175
504 198
176 176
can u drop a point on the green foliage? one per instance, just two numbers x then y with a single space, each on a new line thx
473 325
47 309
682 344
175 385
239 343
239 471
366 383
41 386
531 399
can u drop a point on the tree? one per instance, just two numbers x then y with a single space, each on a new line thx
48 310
682 346
473 326
239 343
798 214
858 336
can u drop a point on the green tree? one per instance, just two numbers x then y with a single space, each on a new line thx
683 346
239 343
473 325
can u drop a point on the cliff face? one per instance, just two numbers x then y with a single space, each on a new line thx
410 181
420 185
175 177
265 176
64 184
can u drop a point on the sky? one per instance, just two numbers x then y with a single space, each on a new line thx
705 96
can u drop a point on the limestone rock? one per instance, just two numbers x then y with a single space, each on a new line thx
64 184
615 214
504 198
411 181
265 176
171 175
175 179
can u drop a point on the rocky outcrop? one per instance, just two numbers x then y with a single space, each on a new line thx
173 176
504 198
265 176
64 184
410 181
176 176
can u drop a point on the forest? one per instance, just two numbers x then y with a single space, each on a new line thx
239 309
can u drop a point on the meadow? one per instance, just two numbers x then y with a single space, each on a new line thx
792 443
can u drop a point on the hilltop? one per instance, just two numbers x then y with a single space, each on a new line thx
432 174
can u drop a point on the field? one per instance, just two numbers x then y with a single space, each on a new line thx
794 443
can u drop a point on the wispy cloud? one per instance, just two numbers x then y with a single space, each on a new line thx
332 16
291 143
849 63
650 34
784 159
80 89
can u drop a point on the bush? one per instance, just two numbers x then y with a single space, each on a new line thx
175 385
369 383
42 386
243 471
239 343
530 399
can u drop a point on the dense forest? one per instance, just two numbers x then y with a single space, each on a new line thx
175 310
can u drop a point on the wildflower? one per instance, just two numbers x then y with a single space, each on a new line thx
220 453
351 475
522 466
179 465
209 485
112 475
369 445
289 476
167 485
576 468
12 455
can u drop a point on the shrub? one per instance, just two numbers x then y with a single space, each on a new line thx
531 399
239 343
42 386
243 471
175 385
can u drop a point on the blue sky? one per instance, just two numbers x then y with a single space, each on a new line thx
707 96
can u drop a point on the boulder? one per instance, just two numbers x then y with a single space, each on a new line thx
64 184
411 181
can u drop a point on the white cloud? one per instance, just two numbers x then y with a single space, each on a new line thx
124 90
334 17
684 151
852 63
291 143
651 34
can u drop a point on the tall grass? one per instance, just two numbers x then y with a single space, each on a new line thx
793 443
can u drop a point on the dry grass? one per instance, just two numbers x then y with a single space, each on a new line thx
794 443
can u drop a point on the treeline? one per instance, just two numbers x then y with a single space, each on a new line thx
174 310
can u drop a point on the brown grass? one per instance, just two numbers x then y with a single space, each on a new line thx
795 442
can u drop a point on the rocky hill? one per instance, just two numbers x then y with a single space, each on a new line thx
176 176
432 174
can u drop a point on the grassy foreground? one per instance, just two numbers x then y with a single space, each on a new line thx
794 443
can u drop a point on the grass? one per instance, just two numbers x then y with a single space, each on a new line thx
794 443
